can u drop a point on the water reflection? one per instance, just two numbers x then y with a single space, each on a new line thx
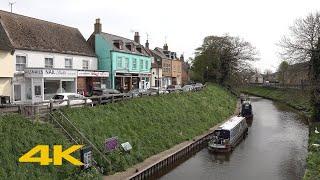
275 148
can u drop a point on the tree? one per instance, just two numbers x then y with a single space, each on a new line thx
302 40
282 70
302 45
315 79
220 59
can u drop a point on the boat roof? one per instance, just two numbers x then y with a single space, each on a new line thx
231 123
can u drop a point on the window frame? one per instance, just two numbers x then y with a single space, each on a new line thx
45 62
134 64
119 62
68 66
16 63
141 64
83 64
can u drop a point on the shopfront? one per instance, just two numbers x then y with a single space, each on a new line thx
41 84
124 82
88 80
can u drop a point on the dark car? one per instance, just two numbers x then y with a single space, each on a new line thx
107 94
101 92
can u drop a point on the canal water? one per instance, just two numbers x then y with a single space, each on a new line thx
275 149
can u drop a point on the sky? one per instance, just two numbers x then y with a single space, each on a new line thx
183 24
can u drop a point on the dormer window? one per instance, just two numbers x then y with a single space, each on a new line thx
130 46
118 44
139 49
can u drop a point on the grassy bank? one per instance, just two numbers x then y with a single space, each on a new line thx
297 99
313 160
17 136
153 124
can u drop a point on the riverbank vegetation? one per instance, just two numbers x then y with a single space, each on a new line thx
294 98
313 160
19 135
152 124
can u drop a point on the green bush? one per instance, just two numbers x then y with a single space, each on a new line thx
152 124
19 135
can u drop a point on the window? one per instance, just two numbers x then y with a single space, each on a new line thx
21 62
134 63
146 64
85 64
68 63
141 64
127 63
119 62
48 62
17 92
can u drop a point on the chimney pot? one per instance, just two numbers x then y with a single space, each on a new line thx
137 37
97 26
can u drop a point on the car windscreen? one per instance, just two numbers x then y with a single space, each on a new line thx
58 97
225 134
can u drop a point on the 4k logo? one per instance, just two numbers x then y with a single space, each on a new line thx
58 155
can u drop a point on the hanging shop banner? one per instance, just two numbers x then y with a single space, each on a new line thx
86 157
111 144
93 74
42 72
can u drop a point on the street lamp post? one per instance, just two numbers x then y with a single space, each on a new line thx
158 65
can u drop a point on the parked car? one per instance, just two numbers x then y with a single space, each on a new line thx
187 88
61 99
174 88
138 92
101 92
198 86
155 90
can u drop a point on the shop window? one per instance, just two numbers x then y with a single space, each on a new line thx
141 64
17 92
21 62
68 86
134 64
85 64
119 62
51 87
48 62
68 63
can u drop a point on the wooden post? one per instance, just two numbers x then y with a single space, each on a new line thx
51 106
68 103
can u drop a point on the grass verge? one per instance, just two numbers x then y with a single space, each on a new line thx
153 124
17 136
296 99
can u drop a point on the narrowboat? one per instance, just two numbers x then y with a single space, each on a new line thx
246 109
228 135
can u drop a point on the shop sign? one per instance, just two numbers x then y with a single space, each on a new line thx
93 74
111 144
50 73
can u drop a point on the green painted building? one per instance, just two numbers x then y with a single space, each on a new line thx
127 60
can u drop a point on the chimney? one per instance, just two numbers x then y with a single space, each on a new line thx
137 37
97 27
181 57
165 47
147 44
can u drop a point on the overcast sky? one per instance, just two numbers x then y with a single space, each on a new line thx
183 23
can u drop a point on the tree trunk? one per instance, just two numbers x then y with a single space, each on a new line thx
315 82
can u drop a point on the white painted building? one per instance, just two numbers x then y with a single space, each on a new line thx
48 58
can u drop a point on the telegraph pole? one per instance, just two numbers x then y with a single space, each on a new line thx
11 4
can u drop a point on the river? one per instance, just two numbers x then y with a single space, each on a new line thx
275 149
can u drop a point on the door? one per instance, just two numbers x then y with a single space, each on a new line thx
17 92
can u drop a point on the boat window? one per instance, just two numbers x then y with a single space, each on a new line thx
225 134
